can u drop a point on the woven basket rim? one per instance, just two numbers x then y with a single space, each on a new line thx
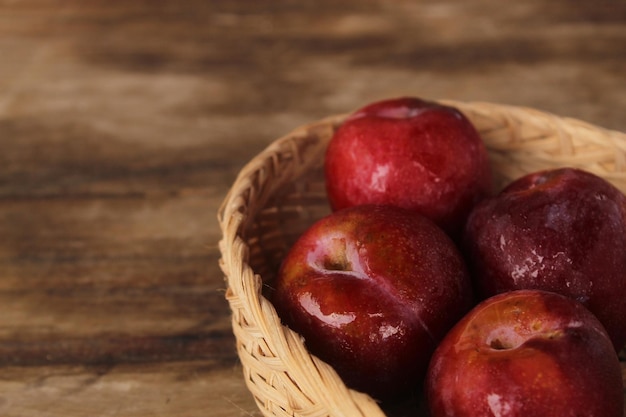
265 172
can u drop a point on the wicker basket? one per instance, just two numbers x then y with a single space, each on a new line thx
281 192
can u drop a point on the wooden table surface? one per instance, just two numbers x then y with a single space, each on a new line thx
123 124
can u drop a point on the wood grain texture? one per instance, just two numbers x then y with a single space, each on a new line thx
123 124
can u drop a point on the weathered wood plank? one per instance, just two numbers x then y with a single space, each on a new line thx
182 389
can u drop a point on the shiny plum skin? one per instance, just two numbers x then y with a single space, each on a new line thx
372 289
526 353
561 230
411 153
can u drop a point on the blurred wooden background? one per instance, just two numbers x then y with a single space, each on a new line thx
122 125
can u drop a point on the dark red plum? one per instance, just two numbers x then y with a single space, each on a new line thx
411 153
372 289
561 230
526 353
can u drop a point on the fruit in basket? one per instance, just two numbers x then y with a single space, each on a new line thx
373 289
526 353
412 153
561 230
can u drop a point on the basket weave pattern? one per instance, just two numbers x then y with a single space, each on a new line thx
281 191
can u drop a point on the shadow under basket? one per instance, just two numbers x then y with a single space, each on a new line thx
281 192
